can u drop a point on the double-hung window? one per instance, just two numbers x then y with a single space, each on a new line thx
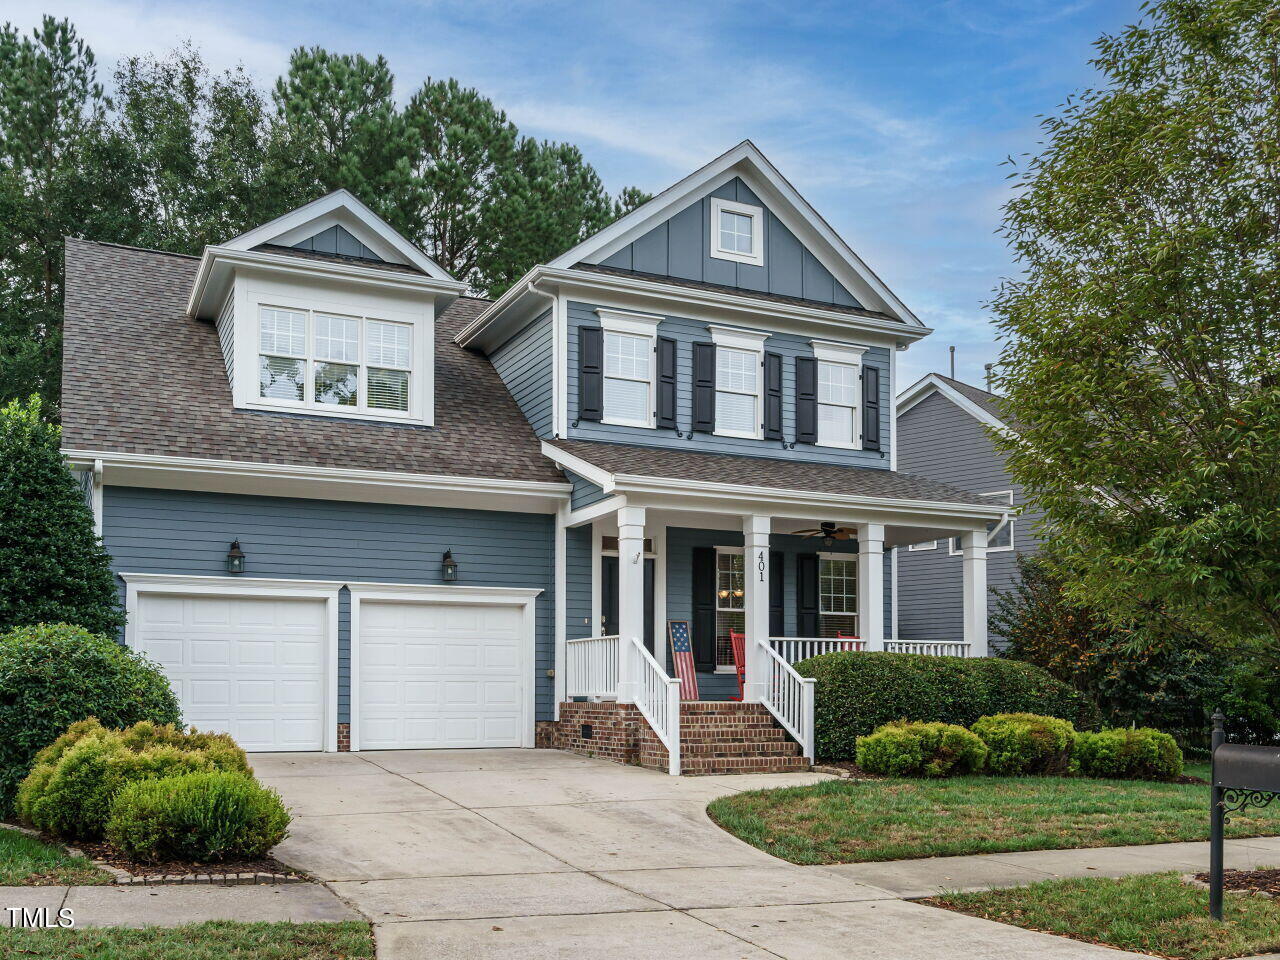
739 363
839 389
837 596
629 340
999 532
316 359
730 603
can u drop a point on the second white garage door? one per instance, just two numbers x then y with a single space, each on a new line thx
432 674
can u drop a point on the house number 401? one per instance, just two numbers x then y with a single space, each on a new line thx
760 565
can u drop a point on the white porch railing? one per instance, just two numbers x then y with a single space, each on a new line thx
591 667
789 697
930 648
657 698
795 649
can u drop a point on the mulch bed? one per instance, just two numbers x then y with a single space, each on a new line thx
105 853
1185 778
851 770
1265 882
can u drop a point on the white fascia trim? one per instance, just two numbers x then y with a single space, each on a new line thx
756 214
675 197
921 389
326 204
601 508
738 339
705 489
624 321
231 584
601 478
831 352
282 263
376 478
442 592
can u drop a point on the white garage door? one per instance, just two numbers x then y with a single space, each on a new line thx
439 675
253 667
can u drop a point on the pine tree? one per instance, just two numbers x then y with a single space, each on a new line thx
55 569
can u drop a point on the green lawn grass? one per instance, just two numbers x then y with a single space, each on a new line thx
206 941
1155 913
846 821
26 861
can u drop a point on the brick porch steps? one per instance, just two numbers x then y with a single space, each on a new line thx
716 737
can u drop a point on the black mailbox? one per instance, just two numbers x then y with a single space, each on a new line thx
1243 776
1240 767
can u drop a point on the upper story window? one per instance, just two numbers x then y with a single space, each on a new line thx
737 232
839 378
629 341
318 359
739 361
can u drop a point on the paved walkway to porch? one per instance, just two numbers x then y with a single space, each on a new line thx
538 853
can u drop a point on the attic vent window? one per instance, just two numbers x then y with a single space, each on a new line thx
737 232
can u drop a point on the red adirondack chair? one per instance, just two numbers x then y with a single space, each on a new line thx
738 641
845 636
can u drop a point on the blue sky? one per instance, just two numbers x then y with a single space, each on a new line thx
892 118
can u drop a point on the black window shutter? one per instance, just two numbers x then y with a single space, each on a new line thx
870 408
773 396
777 575
806 401
666 403
704 608
704 387
590 373
807 594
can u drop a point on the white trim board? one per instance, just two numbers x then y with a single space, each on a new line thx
933 383
443 593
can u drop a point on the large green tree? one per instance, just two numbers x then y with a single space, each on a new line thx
1143 337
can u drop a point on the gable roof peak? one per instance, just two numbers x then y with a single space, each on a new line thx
982 405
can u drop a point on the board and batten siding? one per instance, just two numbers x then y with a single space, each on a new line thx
525 365
688 332
681 247
938 440
188 533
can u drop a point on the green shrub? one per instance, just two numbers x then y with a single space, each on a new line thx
1026 743
902 749
858 692
204 817
1142 754
53 675
69 790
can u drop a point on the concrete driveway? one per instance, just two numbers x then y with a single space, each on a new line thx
538 853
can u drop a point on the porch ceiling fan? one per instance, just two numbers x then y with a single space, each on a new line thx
830 531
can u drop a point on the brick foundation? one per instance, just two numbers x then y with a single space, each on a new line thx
344 737
715 737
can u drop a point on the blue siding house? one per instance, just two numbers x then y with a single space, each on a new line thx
351 506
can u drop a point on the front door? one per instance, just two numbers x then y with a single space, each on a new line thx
609 598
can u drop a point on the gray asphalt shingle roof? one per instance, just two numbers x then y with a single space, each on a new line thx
775 473
140 376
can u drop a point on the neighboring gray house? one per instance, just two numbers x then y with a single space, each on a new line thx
944 433
351 506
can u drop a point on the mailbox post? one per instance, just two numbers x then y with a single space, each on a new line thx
1243 776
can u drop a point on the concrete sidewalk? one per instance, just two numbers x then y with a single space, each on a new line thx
169 906
913 879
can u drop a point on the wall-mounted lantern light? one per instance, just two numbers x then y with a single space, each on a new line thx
235 558
448 567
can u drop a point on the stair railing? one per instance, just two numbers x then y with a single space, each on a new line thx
657 696
592 668
788 696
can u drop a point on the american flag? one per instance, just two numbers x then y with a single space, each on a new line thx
682 657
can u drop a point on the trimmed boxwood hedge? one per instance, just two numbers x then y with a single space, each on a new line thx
858 692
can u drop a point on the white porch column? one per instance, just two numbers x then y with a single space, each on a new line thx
755 568
630 595
871 584
973 561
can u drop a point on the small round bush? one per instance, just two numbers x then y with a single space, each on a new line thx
857 693
69 790
204 817
52 675
1026 743
905 749
1142 754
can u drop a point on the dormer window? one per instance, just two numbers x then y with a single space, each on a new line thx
311 358
737 232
